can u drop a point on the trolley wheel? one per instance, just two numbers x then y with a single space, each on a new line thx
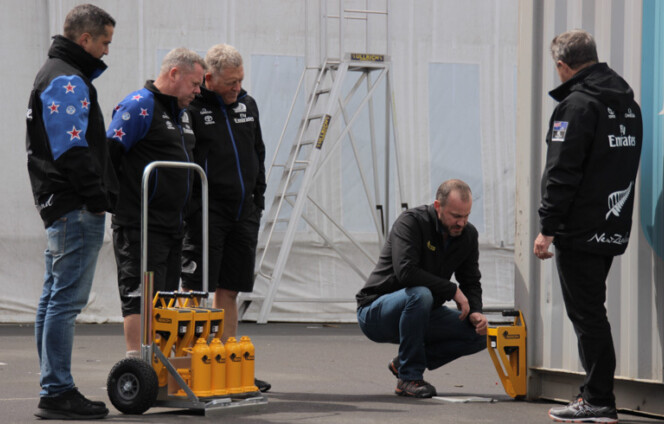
132 386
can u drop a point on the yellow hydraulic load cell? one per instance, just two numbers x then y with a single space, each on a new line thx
201 368
218 357
209 321
507 348
171 326
247 352
233 366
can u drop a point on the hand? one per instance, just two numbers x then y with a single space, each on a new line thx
462 303
480 322
541 246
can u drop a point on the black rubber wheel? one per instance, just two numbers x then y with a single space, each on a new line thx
132 386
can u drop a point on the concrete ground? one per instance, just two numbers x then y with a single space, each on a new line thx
319 374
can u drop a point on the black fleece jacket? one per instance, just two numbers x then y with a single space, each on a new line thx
415 254
594 146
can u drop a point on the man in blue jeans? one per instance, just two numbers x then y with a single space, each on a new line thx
402 301
73 185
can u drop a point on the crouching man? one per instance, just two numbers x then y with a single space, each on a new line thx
402 301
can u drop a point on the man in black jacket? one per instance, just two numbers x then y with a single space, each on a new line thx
402 300
229 146
148 125
73 185
594 147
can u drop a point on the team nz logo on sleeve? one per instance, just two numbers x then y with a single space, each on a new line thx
617 200
559 130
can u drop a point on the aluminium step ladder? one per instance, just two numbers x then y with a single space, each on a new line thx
311 151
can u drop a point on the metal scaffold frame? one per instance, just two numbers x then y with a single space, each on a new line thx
310 152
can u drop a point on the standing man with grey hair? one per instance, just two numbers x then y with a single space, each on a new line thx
402 300
73 185
148 125
594 146
229 146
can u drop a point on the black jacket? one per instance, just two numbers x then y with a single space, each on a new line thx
148 126
68 159
415 254
594 146
230 148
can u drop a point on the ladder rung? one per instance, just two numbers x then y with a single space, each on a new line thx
287 194
316 116
277 221
323 91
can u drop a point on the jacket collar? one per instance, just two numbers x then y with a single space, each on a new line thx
564 89
170 101
65 49
210 96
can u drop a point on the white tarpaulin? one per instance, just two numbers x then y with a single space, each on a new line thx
454 76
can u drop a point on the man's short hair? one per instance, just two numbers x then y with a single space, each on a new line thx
183 58
575 48
86 18
222 56
449 186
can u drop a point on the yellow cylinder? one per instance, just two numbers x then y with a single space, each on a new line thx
218 356
248 364
201 369
185 373
233 366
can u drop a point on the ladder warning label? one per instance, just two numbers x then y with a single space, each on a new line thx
323 131
365 57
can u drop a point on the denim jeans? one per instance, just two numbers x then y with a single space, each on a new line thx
427 337
74 241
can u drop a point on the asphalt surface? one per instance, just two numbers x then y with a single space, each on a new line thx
319 374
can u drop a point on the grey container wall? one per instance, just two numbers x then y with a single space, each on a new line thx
635 286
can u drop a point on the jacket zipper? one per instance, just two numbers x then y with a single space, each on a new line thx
237 161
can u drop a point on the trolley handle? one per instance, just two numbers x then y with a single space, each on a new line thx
148 277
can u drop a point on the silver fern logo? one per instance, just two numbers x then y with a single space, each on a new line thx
617 200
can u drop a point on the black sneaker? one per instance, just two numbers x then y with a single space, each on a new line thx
263 386
415 388
581 411
392 366
70 405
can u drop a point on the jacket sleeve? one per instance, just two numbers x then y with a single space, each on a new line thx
65 109
570 136
468 275
130 122
407 244
259 146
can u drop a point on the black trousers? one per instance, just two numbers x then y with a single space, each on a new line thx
583 280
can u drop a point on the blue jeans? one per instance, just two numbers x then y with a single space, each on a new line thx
74 241
427 337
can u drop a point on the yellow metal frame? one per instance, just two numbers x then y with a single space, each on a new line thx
167 325
507 348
